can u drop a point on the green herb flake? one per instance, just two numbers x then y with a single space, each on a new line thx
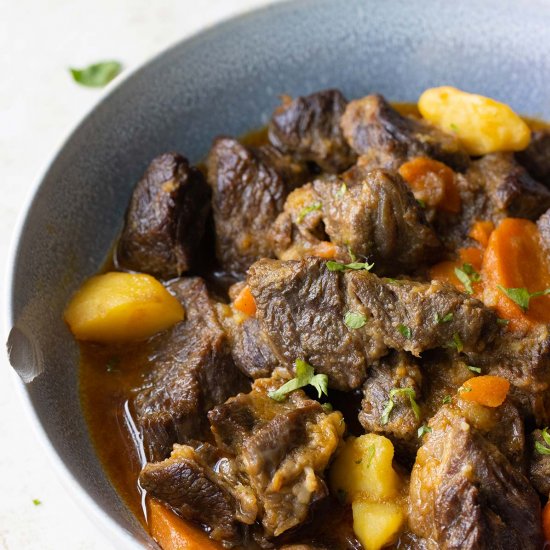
521 296
112 364
395 281
411 393
355 320
405 331
445 319
342 191
351 254
305 376
371 450
447 399
464 389
97 75
503 322
421 203
453 127
36 502
357 266
466 275
307 209
474 369
423 430
327 407
456 343
543 449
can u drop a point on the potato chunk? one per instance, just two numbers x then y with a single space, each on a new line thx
481 124
364 468
376 524
121 307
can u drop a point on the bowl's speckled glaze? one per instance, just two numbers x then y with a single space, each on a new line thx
226 80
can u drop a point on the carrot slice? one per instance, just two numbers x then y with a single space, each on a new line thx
432 182
245 302
173 533
481 231
515 258
472 256
325 249
486 390
445 271
546 521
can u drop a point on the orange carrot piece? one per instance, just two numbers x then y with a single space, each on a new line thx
432 182
481 231
515 258
325 249
473 256
486 390
546 521
245 302
173 533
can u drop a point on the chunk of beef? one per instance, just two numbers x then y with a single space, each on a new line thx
536 158
543 225
249 189
191 370
387 139
507 189
524 360
539 465
281 449
301 307
165 219
373 214
190 486
464 493
396 371
309 128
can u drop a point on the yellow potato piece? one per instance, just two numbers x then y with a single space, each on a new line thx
364 467
121 307
481 124
376 524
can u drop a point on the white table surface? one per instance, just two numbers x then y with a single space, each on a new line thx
39 105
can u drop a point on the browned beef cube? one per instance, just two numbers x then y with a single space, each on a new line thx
372 214
539 466
191 370
508 189
387 139
309 128
249 189
465 494
301 306
165 219
536 158
396 371
191 487
283 449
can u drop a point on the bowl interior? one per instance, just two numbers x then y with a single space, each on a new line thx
226 80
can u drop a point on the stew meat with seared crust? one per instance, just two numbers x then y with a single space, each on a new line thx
349 346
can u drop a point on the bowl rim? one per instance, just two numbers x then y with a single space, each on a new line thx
110 528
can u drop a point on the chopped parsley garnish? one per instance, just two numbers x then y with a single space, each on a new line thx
371 449
543 449
467 275
464 389
410 392
305 376
503 322
327 407
453 127
456 343
36 502
405 331
447 399
351 254
474 369
112 364
342 191
395 281
339 266
353 319
421 203
445 319
97 75
522 296
424 430
307 209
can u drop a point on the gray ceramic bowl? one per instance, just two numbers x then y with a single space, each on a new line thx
226 80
